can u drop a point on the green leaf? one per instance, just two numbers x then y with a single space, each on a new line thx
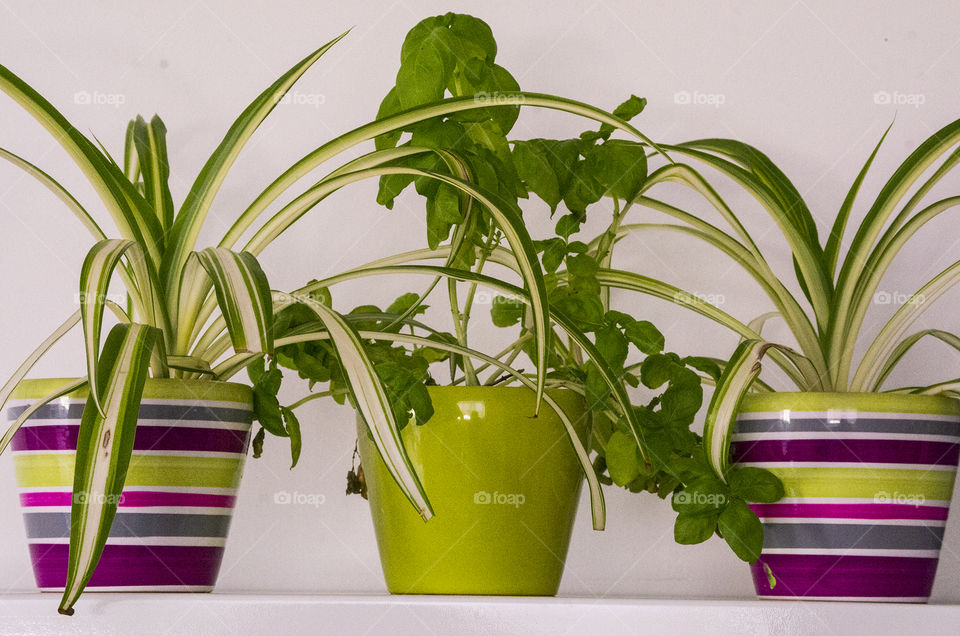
536 171
693 529
244 297
739 374
257 443
151 144
612 345
707 495
65 389
554 251
644 336
742 530
292 427
625 111
443 211
372 403
389 106
755 484
623 458
505 311
567 225
620 167
58 190
186 227
95 274
104 448
117 194
707 366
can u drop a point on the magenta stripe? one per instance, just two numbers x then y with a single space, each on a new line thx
135 499
827 575
847 450
851 511
176 438
128 565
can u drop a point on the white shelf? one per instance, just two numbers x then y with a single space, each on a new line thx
225 613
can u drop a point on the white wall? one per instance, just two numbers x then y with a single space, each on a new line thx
799 79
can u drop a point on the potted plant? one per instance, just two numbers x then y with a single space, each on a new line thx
187 309
504 484
867 471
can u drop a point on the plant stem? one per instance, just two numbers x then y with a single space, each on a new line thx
314 396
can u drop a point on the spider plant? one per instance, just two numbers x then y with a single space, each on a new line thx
826 322
189 307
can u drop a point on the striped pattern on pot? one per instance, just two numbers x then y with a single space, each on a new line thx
867 496
175 509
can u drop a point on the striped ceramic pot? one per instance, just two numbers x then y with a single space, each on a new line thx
868 481
173 515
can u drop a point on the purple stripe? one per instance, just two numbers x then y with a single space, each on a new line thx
847 450
160 438
123 565
851 511
827 575
136 499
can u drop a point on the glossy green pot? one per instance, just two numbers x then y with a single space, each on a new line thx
504 487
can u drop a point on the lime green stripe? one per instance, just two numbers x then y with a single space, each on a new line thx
49 471
865 402
158 388
866 483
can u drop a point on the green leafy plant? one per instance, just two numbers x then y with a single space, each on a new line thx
189 308
589 344
838 290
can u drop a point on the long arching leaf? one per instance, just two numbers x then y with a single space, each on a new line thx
372 402
104 447
244 297
189 220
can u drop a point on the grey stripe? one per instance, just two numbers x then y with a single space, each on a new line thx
175 412
849 425
52 525
839 536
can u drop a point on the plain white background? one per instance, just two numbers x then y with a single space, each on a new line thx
814 84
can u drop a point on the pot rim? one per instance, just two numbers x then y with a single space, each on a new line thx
30 388
857 401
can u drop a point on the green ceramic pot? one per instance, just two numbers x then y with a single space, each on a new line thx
504 487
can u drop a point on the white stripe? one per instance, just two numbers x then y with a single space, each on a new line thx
144 453
863 599
212 542
840 435
936 503
206 424
863 465
830 521
137 588
173 489
839 414
926 554
122 510
242 406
